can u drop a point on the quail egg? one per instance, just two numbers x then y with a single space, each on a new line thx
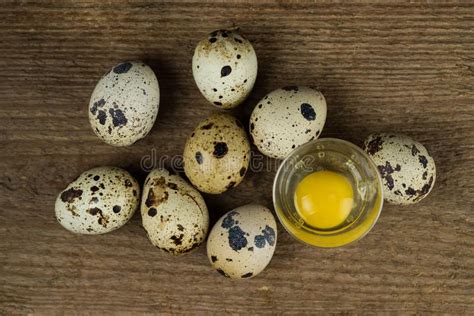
407 169
217 154
124 104
242 242
287 118
99 201
174 214
225 68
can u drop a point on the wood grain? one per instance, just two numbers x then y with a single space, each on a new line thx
382 67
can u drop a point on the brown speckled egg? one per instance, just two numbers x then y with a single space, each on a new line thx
225 68
124 104
217 154
286 119
242 242
99 201
174 214
407 169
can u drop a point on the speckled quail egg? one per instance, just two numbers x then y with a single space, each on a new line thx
99 201
174 214
225 68
242 242
217 154
408 171
124 104
287 118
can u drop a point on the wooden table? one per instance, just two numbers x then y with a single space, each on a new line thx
403 68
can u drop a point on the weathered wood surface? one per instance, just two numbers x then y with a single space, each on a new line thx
398 67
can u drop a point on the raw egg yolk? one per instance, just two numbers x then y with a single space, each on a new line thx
324 199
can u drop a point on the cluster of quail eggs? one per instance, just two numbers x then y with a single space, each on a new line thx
123 109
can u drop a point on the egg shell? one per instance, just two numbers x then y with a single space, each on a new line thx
124 104
242 242
407 169
225 68
99 201
174 214
286 119
217 154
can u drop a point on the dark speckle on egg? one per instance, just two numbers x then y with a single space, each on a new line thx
177 240
410 191
69 195
229 221
238 123
237 238
225 71
259 241
122 68
172 186
386 172
268 236
102 117
199 157
207 126
152 212
223 273
96 105
220 150
374 146
94 211
118 117
308 112
230 185
426 188
423 161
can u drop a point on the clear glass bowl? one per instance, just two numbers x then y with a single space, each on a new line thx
335 155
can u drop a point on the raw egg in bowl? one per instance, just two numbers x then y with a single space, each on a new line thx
328 193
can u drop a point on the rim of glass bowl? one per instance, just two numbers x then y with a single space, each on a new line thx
379 199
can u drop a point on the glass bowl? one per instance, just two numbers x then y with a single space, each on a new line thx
334 155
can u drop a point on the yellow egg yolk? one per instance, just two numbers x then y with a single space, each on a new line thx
324 199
